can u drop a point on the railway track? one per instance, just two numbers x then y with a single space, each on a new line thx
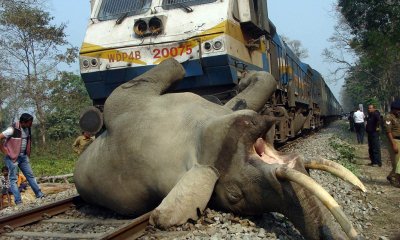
289 144
64 220
44 222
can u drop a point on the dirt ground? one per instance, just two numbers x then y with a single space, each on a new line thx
28 196
383 196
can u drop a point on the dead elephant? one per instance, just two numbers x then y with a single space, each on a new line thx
178 152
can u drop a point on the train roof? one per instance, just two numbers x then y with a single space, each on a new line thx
306 67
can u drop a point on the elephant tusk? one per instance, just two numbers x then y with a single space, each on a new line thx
312 186
336 169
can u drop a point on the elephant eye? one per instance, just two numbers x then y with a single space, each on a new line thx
234 194
234 198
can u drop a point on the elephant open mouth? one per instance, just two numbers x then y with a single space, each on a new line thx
285 166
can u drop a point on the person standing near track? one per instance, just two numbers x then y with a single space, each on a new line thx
351 121
392 125
17 148
373 129
359 125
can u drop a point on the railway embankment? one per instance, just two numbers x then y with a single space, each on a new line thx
374 213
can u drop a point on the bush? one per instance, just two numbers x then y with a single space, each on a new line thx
346 153
56 158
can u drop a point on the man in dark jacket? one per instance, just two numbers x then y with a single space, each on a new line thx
373 129
351 121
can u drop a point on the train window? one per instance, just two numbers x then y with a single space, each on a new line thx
115 9
171 4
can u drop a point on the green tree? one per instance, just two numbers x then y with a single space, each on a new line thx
11 101
32 46
375 25
370 30
370 16
69 97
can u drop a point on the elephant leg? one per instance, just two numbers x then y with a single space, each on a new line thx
255 90
157 80
133 93
187 199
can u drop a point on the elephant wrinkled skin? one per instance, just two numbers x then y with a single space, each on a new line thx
178 153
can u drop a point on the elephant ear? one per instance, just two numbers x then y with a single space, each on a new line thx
187 199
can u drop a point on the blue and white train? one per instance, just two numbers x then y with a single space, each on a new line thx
217 42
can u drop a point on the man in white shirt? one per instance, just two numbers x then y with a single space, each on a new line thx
359 125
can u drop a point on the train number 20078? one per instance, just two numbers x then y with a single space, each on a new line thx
171 52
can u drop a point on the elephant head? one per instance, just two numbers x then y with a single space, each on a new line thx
178 153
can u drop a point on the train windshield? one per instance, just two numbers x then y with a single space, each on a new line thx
171 4
115 9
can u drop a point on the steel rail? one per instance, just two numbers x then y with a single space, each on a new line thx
132 230
11 222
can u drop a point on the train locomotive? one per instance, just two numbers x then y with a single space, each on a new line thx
217 42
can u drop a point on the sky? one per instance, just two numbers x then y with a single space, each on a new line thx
309 21
75 14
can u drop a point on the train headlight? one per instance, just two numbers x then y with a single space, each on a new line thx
207 46
140 27
85 63
93 62
217 45
155 25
